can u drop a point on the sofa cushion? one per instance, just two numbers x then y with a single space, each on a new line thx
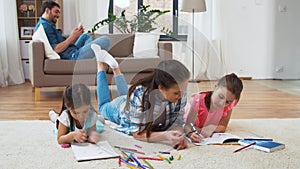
69 67
40 35
145 45
135 65
89 66
121 44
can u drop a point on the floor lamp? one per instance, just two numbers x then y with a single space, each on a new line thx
193 6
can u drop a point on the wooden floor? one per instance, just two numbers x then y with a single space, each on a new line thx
257 101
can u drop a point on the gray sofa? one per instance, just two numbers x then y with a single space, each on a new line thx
55 73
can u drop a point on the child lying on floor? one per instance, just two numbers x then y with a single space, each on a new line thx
210 111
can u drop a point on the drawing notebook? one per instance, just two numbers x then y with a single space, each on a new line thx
89 151
266 146
219 138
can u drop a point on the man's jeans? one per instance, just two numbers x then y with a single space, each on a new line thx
84 44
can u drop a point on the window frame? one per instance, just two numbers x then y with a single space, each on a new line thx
175 12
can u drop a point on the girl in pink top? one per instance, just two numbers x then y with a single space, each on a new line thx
210 111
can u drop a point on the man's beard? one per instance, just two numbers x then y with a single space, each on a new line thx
53 18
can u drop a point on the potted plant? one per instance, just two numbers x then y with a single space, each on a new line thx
144 21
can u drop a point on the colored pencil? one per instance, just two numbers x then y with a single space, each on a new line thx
194 129
187 133
149 158
138 146
164 152
166 159
129 165
129 149
124 148
244 147
149 165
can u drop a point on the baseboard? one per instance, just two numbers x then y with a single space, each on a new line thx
246 78
242 78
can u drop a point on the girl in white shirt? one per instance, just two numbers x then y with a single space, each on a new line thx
78 120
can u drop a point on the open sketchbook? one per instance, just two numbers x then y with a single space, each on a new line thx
89 151
219 138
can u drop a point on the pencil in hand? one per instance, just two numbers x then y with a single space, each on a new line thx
237 150
190 132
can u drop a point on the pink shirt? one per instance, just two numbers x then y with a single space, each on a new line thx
204 118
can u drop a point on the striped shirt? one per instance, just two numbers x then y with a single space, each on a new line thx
165 113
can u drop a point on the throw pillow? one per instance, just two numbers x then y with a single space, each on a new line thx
145 45
40 35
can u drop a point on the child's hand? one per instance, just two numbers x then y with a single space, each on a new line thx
207 131
195 137
181 145
94 137
80 136
174 137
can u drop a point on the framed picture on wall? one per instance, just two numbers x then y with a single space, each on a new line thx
27 32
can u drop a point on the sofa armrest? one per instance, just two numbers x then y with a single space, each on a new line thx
165 50
36 62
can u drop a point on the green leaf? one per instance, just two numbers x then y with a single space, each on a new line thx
144 21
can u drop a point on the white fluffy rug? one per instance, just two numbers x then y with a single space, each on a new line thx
31 144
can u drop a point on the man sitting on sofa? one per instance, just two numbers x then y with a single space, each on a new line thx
77 45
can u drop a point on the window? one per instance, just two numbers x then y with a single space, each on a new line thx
164 20
169 21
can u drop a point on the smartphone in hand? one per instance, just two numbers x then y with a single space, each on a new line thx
79 24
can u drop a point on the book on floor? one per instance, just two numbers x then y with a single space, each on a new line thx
266 146
219 138
89 151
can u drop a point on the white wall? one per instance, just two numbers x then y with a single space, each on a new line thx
287 39
258 39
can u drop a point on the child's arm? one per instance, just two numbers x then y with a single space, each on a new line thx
221 128
190 119
188 128
93 135
173 137
66 137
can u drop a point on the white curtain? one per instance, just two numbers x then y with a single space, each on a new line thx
11 70
87 12
209 64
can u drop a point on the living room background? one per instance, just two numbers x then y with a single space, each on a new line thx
254 38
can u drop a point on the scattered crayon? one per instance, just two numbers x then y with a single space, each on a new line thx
65 145
129 165
149 158
149 165
166 159
164 152
137 162
129 157
138 146
124 148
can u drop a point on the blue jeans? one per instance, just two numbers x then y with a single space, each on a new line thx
84 44
111 109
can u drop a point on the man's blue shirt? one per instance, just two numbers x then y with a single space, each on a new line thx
55 37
